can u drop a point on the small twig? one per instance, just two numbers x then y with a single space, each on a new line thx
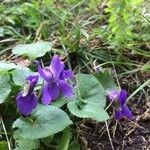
104 128
116 76
9 57
8 142
7 40
37 36
148 147
109 136
114 131
123 145
109 104
135 125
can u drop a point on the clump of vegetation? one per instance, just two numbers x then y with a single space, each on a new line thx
74 74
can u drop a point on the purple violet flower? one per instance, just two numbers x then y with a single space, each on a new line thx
119 98
27 99
56 80
98 69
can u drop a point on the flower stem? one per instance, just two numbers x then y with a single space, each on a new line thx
8 142
64 143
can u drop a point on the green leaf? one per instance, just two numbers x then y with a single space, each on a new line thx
90 99
89 110
106 79
146 67
60 101
64 143
6 66
74 146
90 90
25 144
34 50
1 32
48 120
20 74
3 145
47 140
5 87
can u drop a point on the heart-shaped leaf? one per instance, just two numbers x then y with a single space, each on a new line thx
6 66
20 74
106 79
90 90
48 120
90 99
34 50
25 144
89 110
5 87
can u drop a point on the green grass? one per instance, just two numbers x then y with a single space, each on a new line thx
83 31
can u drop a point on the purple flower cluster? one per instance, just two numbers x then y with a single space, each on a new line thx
55 77
121 109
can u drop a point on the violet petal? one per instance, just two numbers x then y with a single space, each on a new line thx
45 74
26 104
126 111
65 88
122 97
56 66
113 94
33 79
46 99
118 114
67 74
50 92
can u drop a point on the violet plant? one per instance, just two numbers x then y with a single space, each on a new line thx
56 83
48 109
119 98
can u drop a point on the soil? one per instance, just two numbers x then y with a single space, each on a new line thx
128 135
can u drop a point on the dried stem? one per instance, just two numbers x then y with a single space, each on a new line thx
109 136
8 142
